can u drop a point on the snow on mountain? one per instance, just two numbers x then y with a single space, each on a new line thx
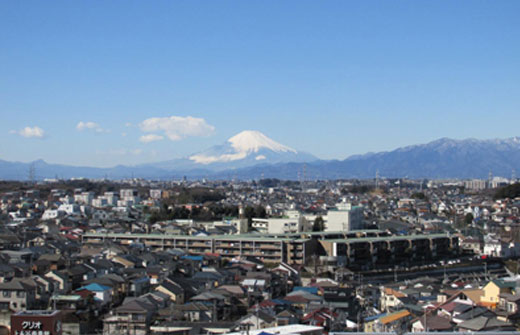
251 154
253 141
241 146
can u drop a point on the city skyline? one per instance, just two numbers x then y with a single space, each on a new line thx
103 84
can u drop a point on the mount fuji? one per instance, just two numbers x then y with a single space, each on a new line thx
247 148
251 154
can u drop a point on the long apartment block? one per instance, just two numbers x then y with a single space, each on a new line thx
369 247
292 250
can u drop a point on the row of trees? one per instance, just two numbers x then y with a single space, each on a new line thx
509 191
212 212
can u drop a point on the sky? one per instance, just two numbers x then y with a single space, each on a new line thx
102 83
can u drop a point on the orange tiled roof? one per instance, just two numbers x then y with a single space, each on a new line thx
394 316
487 304
397 294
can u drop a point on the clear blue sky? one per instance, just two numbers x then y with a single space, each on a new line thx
333 78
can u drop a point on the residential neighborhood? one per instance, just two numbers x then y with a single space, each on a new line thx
208 257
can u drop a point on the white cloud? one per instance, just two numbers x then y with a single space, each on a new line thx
177 127
89 125
30 132
150 138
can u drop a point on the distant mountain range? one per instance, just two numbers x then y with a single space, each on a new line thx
246 149
252 155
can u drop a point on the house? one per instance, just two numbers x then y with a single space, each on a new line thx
287 317
390 299
134 316
286 330
485 323
79 273
371 323
472 245
168 327
74 302
256 320
387 322
493 290
139 286
173 290
509 302
17 295
197 312
319 317
61 278
216 301
102 293
431 323
7 272
471 314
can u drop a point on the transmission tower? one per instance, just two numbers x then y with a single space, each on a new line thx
32 173
304 175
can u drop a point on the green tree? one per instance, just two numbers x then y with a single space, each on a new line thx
319 224
468 219
419 195
509 191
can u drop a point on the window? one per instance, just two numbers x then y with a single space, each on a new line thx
20 294
6 294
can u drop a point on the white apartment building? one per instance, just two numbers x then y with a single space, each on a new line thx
241 225
295 224
476 184
125 203
344 218
156 193
99 202
111 197
84 198
70 209
130 196
128 193
51 214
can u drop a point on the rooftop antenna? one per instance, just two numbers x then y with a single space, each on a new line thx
377 179
513 176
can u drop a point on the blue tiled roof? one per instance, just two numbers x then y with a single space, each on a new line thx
312 290
375 317
95 288
193 258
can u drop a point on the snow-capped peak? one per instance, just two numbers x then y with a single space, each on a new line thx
240 147
252 141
